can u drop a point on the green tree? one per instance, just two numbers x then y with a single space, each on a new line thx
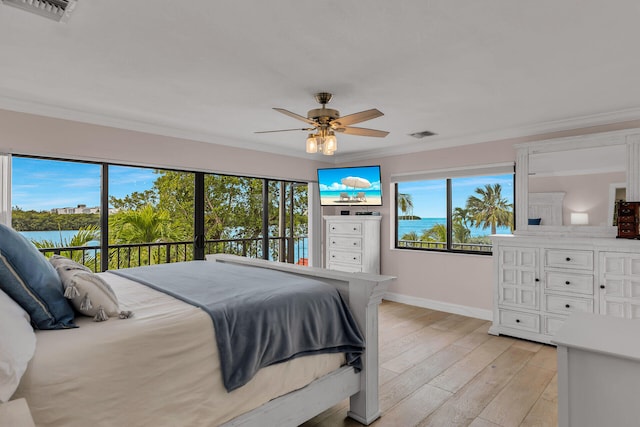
405 203
437 233
141 226
460 225
81 238
412 236
45 221
489 208
134 201
174 193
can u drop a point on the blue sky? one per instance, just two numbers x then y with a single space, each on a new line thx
429 197
45 184
329 179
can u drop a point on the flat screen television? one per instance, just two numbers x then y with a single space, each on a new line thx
350 186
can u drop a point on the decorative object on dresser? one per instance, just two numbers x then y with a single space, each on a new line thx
353 243
628 220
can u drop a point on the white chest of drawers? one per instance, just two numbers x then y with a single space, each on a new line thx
353 243
540 281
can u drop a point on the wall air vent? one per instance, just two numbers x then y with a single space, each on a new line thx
58 10
422 134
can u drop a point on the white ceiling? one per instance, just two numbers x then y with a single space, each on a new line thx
469 70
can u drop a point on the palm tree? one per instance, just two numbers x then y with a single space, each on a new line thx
490 209
461 234
412 235
463 216
405 203
437 234
461 221
144 225
82 238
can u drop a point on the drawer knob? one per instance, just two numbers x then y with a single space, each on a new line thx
354 258
567 306
601 286
355 244
567 282
537 280
568 259
355 229
517 320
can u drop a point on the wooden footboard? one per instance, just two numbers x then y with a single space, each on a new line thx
363 292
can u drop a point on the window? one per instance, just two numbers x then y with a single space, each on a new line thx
111 216
454 210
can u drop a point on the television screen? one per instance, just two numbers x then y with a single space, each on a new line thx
351 186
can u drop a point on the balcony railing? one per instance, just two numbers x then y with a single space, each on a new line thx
283 249
419 244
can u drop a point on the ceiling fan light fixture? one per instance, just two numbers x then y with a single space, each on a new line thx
326 151
326 121
312 144
331 142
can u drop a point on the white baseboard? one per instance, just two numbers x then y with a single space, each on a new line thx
448 307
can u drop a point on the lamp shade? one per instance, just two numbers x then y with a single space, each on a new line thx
331 142
312 145
579 218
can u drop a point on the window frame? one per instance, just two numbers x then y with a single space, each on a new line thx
448 175
199 188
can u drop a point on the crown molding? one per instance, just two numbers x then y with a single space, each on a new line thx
101 119
436 143
432 143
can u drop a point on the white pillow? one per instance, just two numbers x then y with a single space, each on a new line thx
89 293
17 345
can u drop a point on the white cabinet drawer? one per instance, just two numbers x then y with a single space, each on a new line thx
519 320
566 258
353 228
348 268
345 242
551 325
566 305
569 282
345 257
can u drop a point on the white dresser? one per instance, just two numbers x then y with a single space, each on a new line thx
540 280
353 243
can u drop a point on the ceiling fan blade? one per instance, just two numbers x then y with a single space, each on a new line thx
295 116
363 132
357 117
285 130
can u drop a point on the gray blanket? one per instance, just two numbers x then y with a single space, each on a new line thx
261 316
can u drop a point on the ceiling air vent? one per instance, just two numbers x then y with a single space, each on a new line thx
58 10
422 134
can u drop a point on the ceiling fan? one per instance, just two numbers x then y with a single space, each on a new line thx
325 122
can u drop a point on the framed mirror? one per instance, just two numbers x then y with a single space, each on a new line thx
569 185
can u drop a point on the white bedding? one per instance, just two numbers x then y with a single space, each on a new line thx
159 368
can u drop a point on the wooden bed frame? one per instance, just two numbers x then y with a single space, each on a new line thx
363 292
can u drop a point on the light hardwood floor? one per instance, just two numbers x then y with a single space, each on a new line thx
440 369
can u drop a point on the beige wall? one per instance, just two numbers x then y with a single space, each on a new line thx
447 280
456 280
36 135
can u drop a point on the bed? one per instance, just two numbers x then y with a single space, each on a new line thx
155 368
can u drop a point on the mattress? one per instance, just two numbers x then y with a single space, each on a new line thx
158 368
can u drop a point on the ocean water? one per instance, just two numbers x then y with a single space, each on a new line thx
406 225
58 236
